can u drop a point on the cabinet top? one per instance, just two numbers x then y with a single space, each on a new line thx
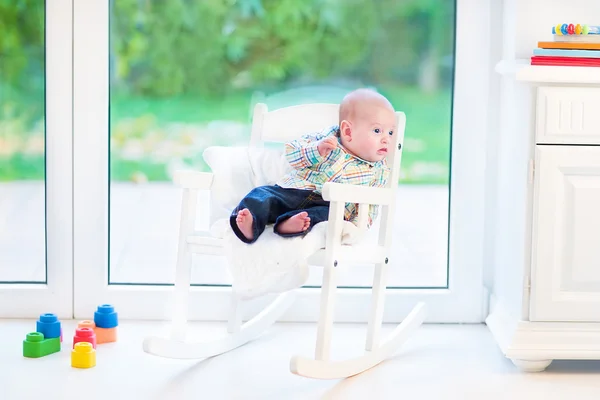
553 74
524 72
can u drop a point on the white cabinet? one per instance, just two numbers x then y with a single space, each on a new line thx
565 275
544 217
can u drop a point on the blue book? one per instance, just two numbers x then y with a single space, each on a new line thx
567 53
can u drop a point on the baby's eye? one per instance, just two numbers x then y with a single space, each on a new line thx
391 133
377 131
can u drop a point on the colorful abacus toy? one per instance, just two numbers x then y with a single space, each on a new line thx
578 29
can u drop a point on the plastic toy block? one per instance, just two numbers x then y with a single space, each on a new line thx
83 355
86 324
106 317
49 325
36 346
104 335
84 335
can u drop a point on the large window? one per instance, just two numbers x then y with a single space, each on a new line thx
22 142
100 102
185 76
157 82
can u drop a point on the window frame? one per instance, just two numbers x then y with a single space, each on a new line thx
462 301
55 295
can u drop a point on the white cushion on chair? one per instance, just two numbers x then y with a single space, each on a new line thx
232 176
274 264
238 170
271 264
268 165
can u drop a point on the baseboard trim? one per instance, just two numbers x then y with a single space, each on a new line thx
534 341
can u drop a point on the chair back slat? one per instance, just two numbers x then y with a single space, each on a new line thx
289 123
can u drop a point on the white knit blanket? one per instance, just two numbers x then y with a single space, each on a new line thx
274 264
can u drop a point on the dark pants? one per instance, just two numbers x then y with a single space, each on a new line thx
274 204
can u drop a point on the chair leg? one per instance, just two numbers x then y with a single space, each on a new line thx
329 287
235 315
377 306
325 325
184 265
180 303
322 367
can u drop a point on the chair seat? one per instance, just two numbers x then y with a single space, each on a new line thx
203 243
357 254
205 239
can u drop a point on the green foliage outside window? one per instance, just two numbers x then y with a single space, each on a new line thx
177 66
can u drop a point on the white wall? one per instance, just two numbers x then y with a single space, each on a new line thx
535 18
495 55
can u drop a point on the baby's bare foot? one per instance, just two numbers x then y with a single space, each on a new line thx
244 222
298 223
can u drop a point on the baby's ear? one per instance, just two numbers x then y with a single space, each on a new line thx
346 130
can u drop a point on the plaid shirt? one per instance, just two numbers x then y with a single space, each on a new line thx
311 171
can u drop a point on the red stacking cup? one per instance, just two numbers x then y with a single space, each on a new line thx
85 335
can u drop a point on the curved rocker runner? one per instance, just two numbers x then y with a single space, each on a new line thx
175 348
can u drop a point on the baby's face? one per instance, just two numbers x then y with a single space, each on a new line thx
372 133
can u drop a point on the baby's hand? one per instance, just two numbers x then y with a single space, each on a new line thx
325 146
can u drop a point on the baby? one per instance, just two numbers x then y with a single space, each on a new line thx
353 152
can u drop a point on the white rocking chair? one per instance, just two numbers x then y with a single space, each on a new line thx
281 126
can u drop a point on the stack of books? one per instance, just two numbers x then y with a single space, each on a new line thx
573 45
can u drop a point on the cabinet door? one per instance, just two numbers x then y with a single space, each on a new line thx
565 283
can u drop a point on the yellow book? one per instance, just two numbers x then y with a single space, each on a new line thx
569 45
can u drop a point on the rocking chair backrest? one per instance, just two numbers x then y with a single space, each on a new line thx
289 123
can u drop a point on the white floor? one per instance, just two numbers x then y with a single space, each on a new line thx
144 227
440 362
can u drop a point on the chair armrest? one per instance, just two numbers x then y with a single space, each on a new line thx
193 179
356 193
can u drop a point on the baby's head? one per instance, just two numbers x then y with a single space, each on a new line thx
367 123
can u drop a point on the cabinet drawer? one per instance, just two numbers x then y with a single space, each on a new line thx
568 115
